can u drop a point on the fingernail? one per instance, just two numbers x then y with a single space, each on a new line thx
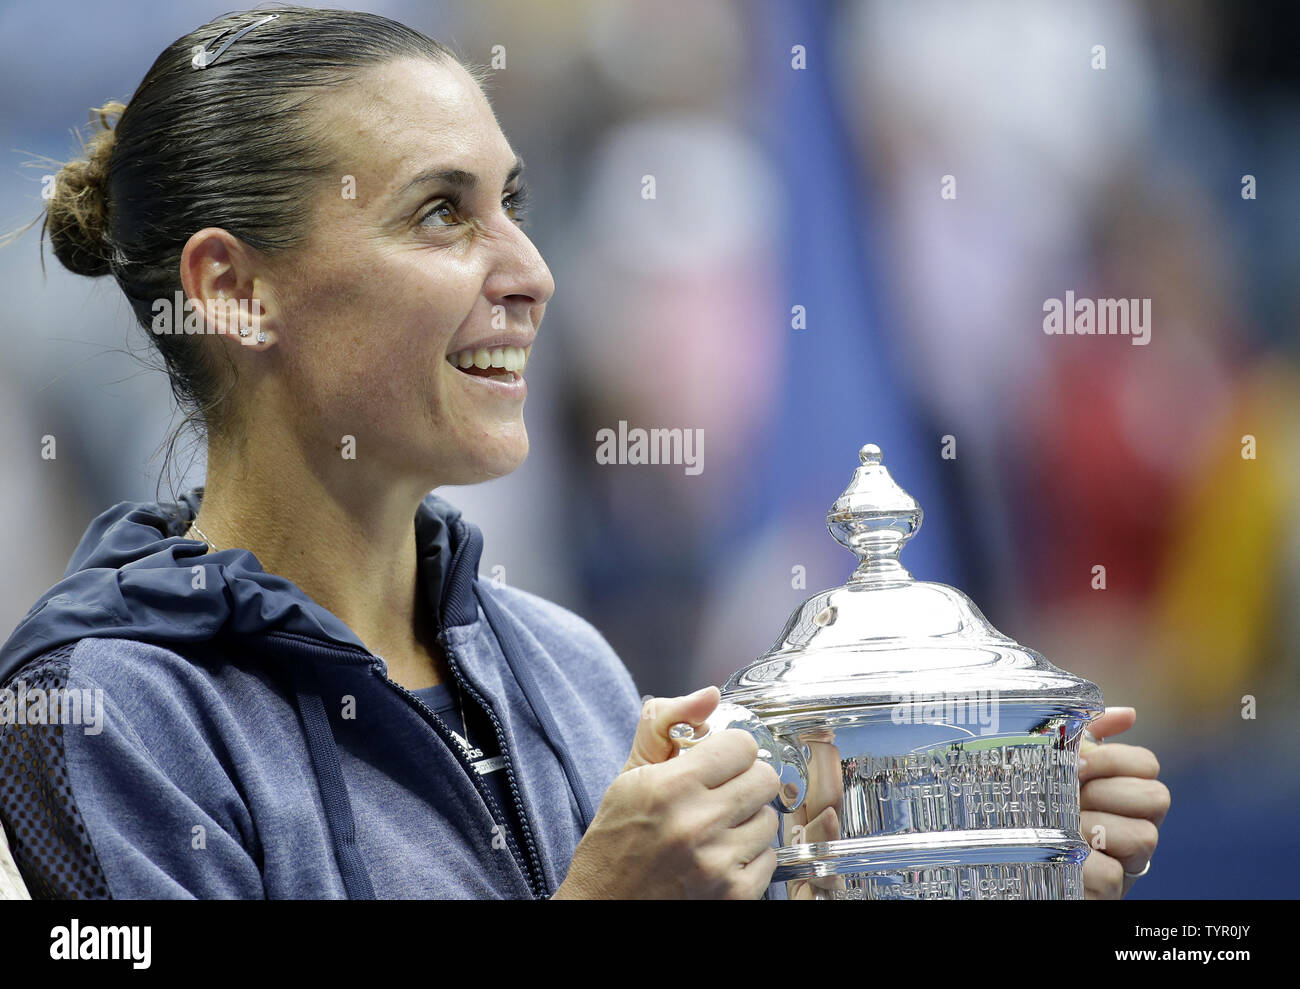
1082 762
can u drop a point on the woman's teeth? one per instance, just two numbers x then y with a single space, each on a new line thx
509 359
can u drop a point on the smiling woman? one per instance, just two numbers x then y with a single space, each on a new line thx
308 691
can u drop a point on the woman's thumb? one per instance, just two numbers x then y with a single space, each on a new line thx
658 714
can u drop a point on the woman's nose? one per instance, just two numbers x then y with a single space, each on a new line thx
521 271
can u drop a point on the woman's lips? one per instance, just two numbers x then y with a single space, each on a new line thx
501 368
507 383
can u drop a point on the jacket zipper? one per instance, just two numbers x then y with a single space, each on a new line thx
469 535
532 873
484 791
541 889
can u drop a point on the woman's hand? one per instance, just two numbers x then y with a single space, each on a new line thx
818 817
695 826
1123 805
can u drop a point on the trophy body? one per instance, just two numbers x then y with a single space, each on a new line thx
927 811
924 755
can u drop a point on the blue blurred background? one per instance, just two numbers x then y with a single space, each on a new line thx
799 286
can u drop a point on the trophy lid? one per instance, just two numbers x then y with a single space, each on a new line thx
884 636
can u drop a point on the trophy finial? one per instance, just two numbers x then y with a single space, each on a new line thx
873 518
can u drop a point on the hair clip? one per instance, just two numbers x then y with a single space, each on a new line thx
203 58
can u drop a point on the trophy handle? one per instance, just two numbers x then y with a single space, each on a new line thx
788 760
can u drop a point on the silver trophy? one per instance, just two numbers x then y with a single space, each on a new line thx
923 754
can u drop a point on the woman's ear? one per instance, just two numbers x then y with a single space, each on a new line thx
226 285
267 317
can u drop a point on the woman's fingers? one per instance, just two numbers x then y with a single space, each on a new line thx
1117 760
1114 721
824 827
756 834
1130 841
757 875
651 744
749 793
1127 797
1103 877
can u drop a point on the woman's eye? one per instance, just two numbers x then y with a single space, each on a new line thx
515 204
437 211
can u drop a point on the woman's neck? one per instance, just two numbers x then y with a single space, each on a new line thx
345 537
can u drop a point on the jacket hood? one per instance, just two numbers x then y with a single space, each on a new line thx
134 576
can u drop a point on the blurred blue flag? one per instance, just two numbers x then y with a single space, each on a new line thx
842 385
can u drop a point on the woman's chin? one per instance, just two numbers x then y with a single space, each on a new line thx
495 457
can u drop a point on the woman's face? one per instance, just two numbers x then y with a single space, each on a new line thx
415 258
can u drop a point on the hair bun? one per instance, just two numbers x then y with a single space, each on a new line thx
77 214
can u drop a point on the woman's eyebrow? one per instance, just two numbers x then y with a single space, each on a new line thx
457 177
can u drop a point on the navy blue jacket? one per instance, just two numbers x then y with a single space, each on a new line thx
246 744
